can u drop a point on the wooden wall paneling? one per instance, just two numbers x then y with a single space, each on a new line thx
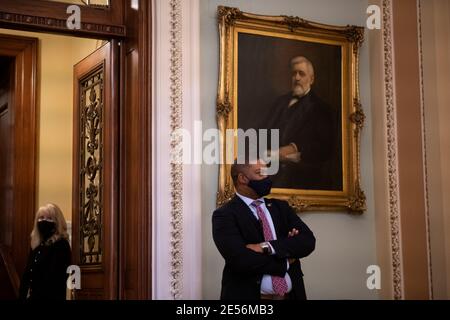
25 139
133 28
135 219
51 16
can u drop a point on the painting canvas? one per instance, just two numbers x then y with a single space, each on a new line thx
300 78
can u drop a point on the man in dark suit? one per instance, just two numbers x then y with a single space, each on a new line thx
261 240
307 128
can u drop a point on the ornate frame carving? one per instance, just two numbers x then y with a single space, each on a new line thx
231 22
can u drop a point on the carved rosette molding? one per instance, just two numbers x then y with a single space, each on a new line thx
176 169
228 15
357 203
224 108
300 204
59 24
356 35
358 117
394 216
424 136
226 196
295 22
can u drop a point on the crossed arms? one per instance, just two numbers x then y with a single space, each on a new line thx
242 258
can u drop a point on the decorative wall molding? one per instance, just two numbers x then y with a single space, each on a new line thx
176 170
177 245
55 24
424 146
391 127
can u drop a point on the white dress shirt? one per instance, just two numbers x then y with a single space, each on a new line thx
266 283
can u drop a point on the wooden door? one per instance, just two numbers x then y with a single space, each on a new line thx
18 156
95 173
6 177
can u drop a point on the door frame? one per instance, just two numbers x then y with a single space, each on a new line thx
51 16
133 29
24 142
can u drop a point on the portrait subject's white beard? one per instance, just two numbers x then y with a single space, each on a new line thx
299 91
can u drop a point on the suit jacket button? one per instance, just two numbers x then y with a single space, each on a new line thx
258 282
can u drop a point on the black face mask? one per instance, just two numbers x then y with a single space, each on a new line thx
261 187
46 229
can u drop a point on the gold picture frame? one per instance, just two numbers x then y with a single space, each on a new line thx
237 31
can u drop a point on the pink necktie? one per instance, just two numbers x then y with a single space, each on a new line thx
279 284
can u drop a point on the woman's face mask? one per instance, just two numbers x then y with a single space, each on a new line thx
46 228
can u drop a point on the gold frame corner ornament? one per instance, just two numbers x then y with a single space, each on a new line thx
231 21
227 15
224 195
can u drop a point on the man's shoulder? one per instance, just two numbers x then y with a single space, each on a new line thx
313 97
224 207
227 207
282 204
320 107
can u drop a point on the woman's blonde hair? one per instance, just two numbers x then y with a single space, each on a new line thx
61 226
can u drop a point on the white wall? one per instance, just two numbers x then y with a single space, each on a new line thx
176 269
345 243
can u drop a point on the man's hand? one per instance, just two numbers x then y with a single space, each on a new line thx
255 247
292 233
289 153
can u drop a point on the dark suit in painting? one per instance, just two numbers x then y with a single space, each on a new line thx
311 125
235 226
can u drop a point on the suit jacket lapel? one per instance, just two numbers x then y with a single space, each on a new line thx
275 214
245 213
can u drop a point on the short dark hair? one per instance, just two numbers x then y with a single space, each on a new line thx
237 168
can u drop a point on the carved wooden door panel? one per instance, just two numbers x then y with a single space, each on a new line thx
95 173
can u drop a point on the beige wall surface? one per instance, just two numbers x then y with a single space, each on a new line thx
346 244
413 233
436 73
57 55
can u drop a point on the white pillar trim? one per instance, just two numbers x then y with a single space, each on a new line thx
192 209
176 187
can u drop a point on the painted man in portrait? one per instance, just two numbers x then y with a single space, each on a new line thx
307 133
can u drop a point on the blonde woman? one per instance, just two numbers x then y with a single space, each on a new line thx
45 275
